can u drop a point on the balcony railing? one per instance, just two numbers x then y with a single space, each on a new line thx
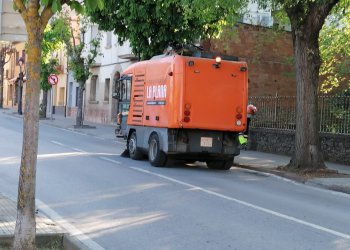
279 113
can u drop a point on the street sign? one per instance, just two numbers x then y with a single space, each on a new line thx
52 79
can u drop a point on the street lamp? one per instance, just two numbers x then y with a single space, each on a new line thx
20 85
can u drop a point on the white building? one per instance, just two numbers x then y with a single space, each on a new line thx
258 16
99 106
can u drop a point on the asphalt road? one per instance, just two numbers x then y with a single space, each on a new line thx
109 202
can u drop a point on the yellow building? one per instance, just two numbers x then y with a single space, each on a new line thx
12 71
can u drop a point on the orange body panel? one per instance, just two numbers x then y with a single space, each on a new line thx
189 92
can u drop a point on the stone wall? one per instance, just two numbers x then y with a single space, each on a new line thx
336 147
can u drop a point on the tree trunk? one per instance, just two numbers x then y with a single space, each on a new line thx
307 21
79 118
25 224
308 154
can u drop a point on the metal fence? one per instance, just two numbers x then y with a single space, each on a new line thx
279 113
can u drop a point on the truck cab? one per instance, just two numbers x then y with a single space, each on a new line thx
122 93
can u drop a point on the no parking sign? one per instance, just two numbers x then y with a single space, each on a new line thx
52 79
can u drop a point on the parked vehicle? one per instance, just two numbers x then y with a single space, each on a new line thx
190 108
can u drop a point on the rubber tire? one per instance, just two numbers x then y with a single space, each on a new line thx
156 157
220 164
134 151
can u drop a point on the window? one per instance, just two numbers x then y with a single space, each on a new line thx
108 40
70 97
94 31
17 57
94 34
76 96
124 89
61 96
93 87
107 87
24 55
10 93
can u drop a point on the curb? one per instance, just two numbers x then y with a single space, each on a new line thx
336 188
276 172
72 243
296 178
48 241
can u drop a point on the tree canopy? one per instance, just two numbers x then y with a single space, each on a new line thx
150 26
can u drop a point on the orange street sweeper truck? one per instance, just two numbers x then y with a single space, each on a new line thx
189 108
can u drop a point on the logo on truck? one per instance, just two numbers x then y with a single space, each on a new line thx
156 92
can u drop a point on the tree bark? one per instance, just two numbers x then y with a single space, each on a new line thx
79 118
308 152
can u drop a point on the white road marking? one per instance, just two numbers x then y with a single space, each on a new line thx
79 150
58 143
110 160
82 151
247 204
72 230
121 143
98 137
85 134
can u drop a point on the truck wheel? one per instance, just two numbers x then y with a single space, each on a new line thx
134 151
156 157
220 164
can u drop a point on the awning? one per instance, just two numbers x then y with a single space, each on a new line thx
128 56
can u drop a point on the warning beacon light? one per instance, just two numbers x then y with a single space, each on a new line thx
217 62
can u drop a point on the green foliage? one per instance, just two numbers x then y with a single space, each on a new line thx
335 49
56 5
150 26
